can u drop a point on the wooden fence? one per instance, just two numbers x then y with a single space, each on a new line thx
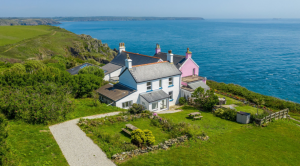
277 115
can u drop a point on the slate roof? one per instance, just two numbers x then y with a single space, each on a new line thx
152 71
154 96
196 84
178 60
76 69
110 67
115 92
137 59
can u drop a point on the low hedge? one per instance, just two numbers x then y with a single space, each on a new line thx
271 102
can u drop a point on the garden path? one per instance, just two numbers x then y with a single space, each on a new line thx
78 149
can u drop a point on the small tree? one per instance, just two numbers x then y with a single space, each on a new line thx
136 109
258 101
206 99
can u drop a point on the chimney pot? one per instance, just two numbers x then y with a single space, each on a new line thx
121 47
157 49
128 62
188 54
170 56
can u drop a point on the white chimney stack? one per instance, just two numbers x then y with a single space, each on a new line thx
121 47
170 56
128 62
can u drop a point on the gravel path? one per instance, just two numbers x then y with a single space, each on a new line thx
78 149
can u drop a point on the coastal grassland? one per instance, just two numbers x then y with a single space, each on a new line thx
230 144
14 34
42 42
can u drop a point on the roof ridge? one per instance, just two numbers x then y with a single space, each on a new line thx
173 54
149 64
142 55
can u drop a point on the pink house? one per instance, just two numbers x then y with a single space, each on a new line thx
187 66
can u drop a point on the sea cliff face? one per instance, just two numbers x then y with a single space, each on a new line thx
27 21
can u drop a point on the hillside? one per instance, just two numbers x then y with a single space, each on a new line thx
27 21
40 42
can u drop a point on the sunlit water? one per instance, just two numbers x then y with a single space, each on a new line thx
261 55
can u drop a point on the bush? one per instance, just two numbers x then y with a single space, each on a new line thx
270 101
150 139
138 137
92 70
182 100
224 113
3 136
136 109
206 100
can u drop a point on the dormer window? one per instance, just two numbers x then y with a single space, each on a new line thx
149 86
170 81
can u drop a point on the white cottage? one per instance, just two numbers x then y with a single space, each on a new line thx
154 85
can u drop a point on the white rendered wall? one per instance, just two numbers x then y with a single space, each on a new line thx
113 74
127 79
134 97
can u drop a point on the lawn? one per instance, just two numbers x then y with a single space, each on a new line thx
210 124
14 34
249 109
229 100
230 143
143 124
34 144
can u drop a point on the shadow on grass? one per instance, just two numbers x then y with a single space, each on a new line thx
125 134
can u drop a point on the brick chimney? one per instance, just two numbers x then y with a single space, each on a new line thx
121 47
157 49
170 56
128 62
188 54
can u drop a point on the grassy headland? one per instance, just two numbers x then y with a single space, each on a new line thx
41 42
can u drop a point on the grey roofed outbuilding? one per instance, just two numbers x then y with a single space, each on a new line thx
110 67
196 84
178 60
76 69
153 71
154 96
115 92
137 59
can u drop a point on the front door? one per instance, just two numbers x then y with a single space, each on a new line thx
163 104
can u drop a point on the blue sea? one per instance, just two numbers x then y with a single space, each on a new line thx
261 55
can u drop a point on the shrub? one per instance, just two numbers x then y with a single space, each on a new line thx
136 109
182 100
138 137
92 70
206 100
3 136
225 113
271 102
150 139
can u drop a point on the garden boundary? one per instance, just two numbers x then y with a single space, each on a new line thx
277 115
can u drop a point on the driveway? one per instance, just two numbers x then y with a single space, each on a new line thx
78 149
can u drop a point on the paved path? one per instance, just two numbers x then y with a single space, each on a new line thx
78 149
168 111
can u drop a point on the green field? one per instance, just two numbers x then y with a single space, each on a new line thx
34 144
14 34
230 143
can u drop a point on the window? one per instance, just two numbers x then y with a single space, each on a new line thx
170 81
154 106
171 95
160 84
126 104
163 104
194 71
149 86
101 98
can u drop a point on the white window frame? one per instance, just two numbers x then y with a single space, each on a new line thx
170 81
160 83
127 104
156 106
149 86
163 104
171 95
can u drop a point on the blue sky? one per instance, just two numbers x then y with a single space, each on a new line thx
208 9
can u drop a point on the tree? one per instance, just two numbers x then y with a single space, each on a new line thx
259 101
33 65
92 70
206 99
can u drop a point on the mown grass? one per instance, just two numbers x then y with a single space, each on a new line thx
143 124
229 100
277 144
295 115
34 144
14 34
249 109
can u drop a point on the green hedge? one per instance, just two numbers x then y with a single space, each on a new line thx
3 136
271 102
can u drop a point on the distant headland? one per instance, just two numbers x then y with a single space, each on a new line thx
8 21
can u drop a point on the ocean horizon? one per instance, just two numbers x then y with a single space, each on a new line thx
262 55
